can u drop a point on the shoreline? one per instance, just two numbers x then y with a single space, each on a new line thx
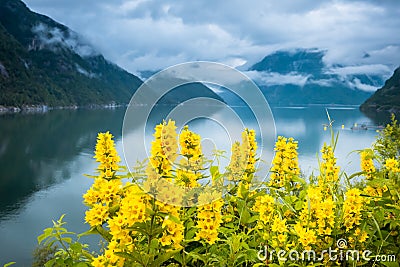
38 109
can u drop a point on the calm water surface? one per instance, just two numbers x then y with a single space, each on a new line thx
43 158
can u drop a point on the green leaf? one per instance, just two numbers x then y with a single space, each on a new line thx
67 240
50 263
197 256
113 209
46 233
9 264
355 175
76 247
298 205
190 233
390 263
214 170
80 264
298 179
127 255
244 216
164 257
104 233
174 219
91 231
154 244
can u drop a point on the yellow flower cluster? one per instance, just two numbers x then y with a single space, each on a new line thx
105 195
132 209
307 237
317 216
249 144
392 165
163 154
285 163
190 143
237 163
109 258
173 228
192 161
106 154
279 231
352 207
367 163
265 207
164 148
329 172
358 236
375 190
96 215
105 191
209 218
173 232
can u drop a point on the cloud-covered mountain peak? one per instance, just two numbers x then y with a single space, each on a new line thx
303 67
304 61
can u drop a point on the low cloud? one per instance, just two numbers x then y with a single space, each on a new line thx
378 69
357 84
55 39
273 78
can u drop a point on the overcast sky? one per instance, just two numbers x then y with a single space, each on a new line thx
150 35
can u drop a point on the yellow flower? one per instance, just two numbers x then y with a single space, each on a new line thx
237 164
209 218
279 225
352 207
329 172
392 165
367 164
190 143
265 206
249 144
282 238
96 215
285 163
363 237
173 232
164 148
106 155
307 237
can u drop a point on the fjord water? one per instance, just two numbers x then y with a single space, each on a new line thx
43 158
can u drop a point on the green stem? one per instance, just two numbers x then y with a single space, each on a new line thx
63 245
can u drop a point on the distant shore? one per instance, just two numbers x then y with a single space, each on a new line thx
26 109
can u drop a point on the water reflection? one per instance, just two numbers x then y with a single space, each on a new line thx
35 148
306 124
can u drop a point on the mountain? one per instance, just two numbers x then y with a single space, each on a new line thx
385 99
43 62
301 77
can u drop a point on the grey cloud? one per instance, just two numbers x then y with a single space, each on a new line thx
270 78
55 38
148 34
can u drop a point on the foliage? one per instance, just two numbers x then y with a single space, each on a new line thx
387 144
43 254
70 253
385 99
330 220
